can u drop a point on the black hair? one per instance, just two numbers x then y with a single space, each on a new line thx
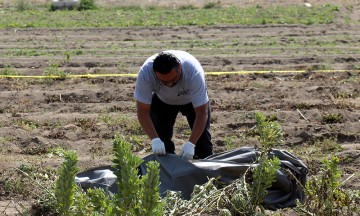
165 62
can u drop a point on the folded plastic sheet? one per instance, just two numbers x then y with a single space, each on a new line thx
177 174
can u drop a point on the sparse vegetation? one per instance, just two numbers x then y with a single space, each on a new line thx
40 118
141 195
332 118
27 124
304 105
86 123
353 78
23 5
87 5
53 70
229 143
129 125
329 145
325 196
65 184
314 152
136 196
211 5
8 70
345 95
138 16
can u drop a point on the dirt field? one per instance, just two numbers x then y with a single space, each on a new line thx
38 115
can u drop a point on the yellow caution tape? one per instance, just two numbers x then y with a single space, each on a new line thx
68 76
276 71
135 75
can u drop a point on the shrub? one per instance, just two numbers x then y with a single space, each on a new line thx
212 5
65 184
136 196
325 195
87 5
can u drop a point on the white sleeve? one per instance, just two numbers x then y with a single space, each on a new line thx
143 89
198 91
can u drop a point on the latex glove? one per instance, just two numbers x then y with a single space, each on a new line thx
187 150
158 146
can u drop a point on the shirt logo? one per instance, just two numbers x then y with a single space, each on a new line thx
180 93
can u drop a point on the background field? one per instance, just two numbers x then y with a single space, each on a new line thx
318 109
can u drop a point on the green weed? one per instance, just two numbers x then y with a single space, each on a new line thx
229 143
137 142
327 146
27 124
87 5
53 70
351 79
67 55
136 196
8 70
26 52
78 52
65 184
269 131
57 151
345 95
130 125
332 118
86 123
325 195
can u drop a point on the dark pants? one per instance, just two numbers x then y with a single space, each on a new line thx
163 117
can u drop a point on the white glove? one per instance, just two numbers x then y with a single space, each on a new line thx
158 146
187 150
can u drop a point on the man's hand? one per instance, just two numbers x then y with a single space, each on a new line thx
187 150
158 146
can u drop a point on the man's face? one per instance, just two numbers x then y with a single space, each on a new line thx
170 79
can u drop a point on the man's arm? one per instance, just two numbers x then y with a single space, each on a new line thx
201 113
143 114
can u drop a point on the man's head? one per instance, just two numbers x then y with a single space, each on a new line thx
167 68
165 62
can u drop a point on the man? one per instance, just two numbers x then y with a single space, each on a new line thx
168 83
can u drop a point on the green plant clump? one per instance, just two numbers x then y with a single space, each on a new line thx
8 71
87 5
52 70
65 184
325 195
332 118
136 196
